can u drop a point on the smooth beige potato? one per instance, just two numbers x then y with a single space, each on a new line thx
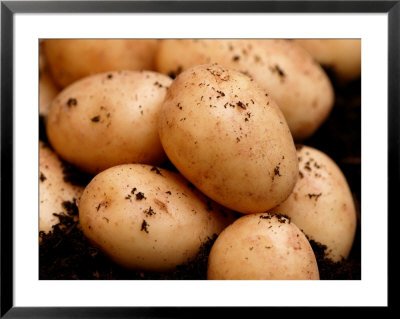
228 138
72 59
285 70
108 119
321 203
48 90
342 56
147 218
53 190
262 247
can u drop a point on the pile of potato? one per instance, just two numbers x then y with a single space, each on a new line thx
227 115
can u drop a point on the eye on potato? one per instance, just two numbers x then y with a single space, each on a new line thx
72 59
147 218
262 247
285 70
227 137
53 190
321 203
341 56
109 119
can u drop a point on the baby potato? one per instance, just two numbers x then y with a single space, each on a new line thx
53 190
227 137
262 247
342 56
47 92
108 119
285 70
321 203
72 59
147 218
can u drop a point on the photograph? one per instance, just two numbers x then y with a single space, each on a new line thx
152 148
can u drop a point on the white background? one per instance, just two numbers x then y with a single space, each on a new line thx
370 291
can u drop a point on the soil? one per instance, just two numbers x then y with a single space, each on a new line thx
66 254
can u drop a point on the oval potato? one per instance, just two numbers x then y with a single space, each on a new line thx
72 59
109 119
228 138
147 218
53 190
262 247
284 69
321 203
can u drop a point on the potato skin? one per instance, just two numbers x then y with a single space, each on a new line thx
228 138
262 247
148 218
341 56
109 119
53 190
284 69
72 59
47 92
321 203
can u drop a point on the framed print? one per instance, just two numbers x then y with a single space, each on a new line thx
156 88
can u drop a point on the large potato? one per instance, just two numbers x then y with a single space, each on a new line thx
262 246
341 56
53 190
321 203
226 136
72 59
289 74
147 218
109 119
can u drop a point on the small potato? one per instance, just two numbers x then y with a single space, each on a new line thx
262 246
285 70
108 119
53 189
321 203
47 92
72 59
342 56
147 218
227 137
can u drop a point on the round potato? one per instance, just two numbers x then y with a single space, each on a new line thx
262 246
53 190
72 59
341 56
289 74
109 119
321 203
147 218
226 136
47 92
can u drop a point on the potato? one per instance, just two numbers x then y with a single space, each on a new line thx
341 56
262 246
72 59
226 136
321 203
47 92
148 218
109 119
289 74
53 190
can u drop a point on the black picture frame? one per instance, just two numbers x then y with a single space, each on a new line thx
9 8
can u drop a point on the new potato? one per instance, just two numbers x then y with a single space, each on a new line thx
147 218
72 59
226 136
262 247
321 203
53 190
109 119
284 69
